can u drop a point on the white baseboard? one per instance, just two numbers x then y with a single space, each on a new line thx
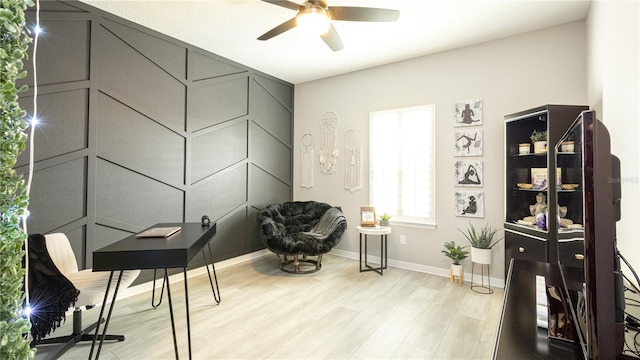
145 287
495 282
148 286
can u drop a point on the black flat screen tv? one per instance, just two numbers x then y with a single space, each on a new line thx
592 180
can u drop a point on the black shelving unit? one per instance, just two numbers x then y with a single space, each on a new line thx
524 241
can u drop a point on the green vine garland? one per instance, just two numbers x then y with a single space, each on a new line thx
14 41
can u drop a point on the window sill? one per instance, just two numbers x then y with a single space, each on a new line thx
413 224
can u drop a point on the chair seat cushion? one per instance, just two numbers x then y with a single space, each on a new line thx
92 284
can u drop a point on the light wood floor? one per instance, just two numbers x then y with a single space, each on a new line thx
336 313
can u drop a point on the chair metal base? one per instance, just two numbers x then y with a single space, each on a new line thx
293 266
78 335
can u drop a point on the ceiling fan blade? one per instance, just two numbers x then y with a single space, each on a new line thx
332 39
349 13
287 25
286 4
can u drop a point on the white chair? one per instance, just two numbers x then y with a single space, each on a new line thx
92 286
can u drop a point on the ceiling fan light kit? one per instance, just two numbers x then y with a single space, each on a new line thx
316 15
313 20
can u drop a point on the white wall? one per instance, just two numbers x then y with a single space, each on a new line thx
510 75
613 35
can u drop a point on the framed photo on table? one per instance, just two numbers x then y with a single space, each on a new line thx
367 216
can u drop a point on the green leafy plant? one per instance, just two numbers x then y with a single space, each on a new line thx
14 41
538 136
455 252
482 239
385 217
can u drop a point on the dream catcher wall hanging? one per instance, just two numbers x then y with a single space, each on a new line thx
353 160
328 149
306 161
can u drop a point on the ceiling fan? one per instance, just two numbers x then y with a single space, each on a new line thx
318 15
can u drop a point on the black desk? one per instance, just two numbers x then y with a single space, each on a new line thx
518 335
176 251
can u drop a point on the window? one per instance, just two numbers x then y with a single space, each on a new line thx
401 164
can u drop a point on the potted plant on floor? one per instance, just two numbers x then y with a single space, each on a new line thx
456 253
481 242
539 140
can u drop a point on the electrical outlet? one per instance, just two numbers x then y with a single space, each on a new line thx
403 240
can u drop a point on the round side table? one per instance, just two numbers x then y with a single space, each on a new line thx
383 232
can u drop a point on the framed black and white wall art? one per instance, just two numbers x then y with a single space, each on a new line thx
469 204
468 142
469 173
468 113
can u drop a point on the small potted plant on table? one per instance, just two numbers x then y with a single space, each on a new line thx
384 219
456 253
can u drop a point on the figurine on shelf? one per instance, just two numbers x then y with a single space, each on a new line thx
562 220
540 206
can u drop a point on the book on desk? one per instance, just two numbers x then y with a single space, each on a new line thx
159 232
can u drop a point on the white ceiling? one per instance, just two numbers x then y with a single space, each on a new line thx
229 28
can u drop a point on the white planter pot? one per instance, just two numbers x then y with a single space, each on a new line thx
539 147
456 271
481 256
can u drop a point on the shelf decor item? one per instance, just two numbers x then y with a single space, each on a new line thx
567 146
539 140
524 148
539 178
384 219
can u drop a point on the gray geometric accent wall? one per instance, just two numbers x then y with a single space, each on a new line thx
139 128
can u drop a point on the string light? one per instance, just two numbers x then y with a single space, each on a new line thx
34 121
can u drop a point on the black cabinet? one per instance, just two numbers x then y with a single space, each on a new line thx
530 174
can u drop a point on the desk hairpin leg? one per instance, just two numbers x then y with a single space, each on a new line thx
173 323
217 297
153 291
186 300
106 323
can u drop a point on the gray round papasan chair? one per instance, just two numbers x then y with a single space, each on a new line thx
301 228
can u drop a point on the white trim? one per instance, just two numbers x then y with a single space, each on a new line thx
148 286
495 282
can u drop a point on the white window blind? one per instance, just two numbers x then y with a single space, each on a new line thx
401 164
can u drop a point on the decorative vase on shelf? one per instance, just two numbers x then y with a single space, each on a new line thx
567 146
539 147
